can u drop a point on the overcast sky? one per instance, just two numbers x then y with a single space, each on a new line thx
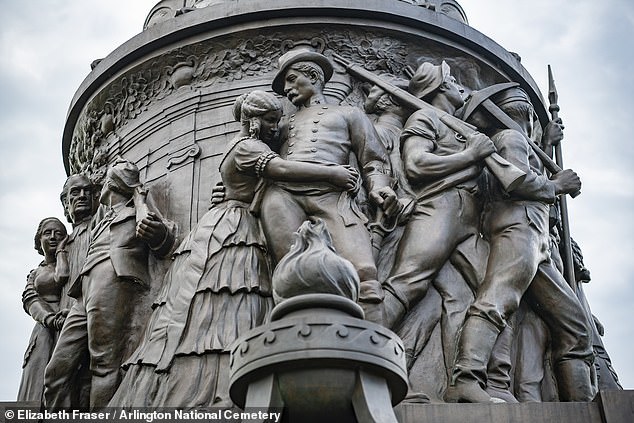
47 46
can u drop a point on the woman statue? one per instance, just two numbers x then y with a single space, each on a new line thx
41 301
218 286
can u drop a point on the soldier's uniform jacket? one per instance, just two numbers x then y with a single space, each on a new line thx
327 135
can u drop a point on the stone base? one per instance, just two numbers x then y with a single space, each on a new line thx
608 407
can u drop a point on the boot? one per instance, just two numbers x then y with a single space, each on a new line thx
469 376
503 394
499 368
416 398
393 310
573 380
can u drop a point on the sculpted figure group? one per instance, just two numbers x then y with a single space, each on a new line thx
453 230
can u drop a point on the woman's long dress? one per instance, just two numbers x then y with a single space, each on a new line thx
41 287
217 288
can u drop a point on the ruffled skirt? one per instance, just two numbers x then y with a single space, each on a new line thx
217 288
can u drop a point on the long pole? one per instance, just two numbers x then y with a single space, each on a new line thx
566 247
508 174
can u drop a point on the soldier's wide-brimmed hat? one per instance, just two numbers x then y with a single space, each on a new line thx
300 55
394 80
427 78
508 91
125 175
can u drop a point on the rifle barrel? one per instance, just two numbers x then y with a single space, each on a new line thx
508 174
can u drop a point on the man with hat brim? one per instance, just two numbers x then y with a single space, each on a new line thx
326 134
516 225
443 171
113 275
300 55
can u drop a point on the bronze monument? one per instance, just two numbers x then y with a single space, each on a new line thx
387 214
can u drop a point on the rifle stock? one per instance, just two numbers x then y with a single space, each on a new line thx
508 174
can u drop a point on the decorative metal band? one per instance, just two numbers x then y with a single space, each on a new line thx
340 343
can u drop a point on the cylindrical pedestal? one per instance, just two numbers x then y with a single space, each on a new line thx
320 361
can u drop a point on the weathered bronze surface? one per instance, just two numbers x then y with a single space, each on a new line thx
421 148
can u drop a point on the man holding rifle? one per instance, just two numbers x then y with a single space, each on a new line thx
516 225
443 170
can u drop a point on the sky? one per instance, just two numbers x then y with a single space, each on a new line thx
47 46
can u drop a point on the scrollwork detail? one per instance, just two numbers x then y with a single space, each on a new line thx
304 331
191 152
269 338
